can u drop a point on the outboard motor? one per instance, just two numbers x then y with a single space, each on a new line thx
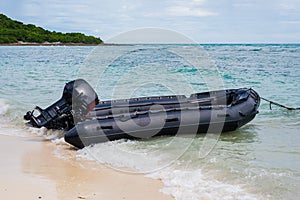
77 100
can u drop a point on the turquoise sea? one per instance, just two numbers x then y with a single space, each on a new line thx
258 161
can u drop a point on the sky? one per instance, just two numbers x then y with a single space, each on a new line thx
204 21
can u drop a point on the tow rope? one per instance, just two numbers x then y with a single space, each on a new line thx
280 105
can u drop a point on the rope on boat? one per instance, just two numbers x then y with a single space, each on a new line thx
280 105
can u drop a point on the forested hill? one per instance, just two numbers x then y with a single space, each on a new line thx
12 31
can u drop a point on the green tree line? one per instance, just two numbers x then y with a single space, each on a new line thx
12 31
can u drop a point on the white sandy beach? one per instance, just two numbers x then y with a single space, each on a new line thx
30 170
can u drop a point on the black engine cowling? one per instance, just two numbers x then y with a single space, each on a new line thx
77 100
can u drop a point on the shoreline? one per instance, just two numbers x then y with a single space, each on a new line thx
115 44
59 44
30 170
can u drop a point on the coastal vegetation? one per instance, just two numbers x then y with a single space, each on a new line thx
12 31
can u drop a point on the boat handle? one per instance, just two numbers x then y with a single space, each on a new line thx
106 127
175 119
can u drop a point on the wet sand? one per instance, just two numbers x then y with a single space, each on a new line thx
30 170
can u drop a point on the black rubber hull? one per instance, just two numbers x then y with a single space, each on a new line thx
213 112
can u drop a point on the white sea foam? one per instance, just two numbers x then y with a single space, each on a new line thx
179 180
193 184
120 154
4 106
7 127
141 156
53 135
11 130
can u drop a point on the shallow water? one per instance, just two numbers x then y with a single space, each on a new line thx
259 161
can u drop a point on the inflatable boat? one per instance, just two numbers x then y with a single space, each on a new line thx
87 120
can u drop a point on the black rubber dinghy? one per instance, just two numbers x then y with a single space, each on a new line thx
90 121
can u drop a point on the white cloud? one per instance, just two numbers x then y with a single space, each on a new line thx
204 20
151 36
286 6
181 8
245 3
193 8
242 4
289 4
291 22
188 11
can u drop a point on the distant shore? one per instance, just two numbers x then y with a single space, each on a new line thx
58 44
